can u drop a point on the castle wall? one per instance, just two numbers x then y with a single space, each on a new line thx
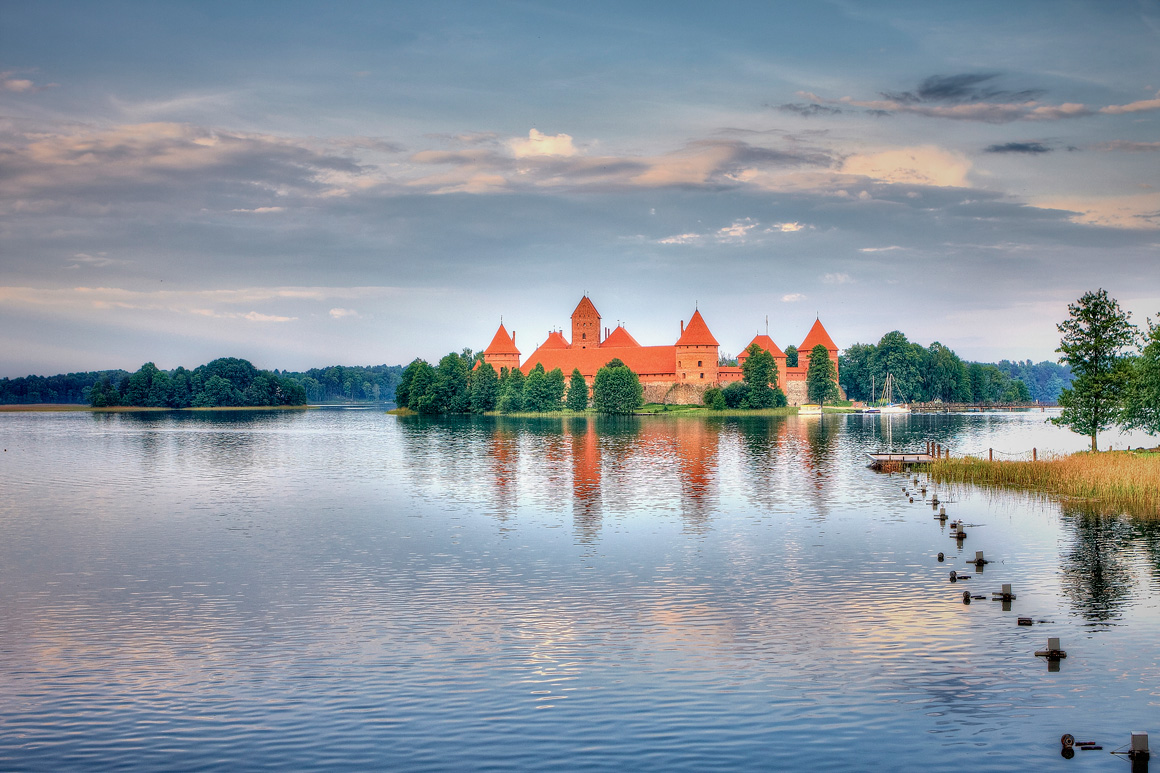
673 393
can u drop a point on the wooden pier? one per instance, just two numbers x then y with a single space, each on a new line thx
881 460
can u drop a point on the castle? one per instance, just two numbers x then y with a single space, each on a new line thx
675 374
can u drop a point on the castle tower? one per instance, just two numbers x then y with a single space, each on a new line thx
585 325
502 351
817 335
697 353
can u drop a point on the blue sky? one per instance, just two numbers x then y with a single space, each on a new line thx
304 184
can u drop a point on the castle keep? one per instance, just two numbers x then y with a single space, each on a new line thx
676 374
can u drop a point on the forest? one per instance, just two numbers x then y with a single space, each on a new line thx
936 373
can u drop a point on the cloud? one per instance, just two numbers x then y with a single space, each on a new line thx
682 239
809 109
261 210
737 231
837 279
1130 147
1019 147
100 260
20 85
339 313
923 165
538 144
891 248
1139 211
154 163
792 298
961 88
1133 107
785 228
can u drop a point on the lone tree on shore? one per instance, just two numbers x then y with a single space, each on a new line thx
1095 337
617 389
821 378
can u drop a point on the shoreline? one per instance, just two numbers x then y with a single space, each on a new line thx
75 407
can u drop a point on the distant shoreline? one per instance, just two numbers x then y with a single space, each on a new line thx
70 407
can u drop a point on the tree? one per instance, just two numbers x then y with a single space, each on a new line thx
1142 401
854 364
511 391
734 395
821 378
760 376
901 359
791 356
537 397
484 388
577 392
617 390
1094 339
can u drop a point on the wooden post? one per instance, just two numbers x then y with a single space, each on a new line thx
990 454
1035 454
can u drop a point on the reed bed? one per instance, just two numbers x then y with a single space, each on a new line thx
1116 481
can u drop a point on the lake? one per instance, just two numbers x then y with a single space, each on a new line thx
345 589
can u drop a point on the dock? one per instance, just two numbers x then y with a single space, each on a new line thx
880 460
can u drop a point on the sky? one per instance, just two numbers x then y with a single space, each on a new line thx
307 184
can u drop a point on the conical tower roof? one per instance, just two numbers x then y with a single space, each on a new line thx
555 340
619 337
697 333
502 343
817 335
766 343
585 306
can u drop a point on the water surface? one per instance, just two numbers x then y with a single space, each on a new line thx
352 590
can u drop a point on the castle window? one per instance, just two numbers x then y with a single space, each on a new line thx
702 375
698 363
584 336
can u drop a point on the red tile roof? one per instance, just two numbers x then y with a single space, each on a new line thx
555 340
619 337
585 305
502 343
642 360
766 343
817 335
697 333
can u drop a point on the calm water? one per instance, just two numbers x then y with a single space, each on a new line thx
350 590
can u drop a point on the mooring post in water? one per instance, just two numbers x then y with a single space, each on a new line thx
990 454
1138 752
1035 454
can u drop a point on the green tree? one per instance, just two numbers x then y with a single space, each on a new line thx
944 374
900 358
791 356
734 395
1142 401
577 392
617 389
556 388
821 377
536 391
1095 336
855 366
484 388
511 391
760 376
218 391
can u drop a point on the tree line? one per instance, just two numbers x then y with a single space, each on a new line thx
62 388
226 381
341 383
1116 367
925 374
464 383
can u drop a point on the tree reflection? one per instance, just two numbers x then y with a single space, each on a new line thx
1097 577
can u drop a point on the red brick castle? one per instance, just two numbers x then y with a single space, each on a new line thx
678 374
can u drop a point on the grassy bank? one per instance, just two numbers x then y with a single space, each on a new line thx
1120 481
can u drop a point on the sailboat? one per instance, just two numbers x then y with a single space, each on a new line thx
885 402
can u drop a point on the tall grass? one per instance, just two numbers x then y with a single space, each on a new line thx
1120 481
